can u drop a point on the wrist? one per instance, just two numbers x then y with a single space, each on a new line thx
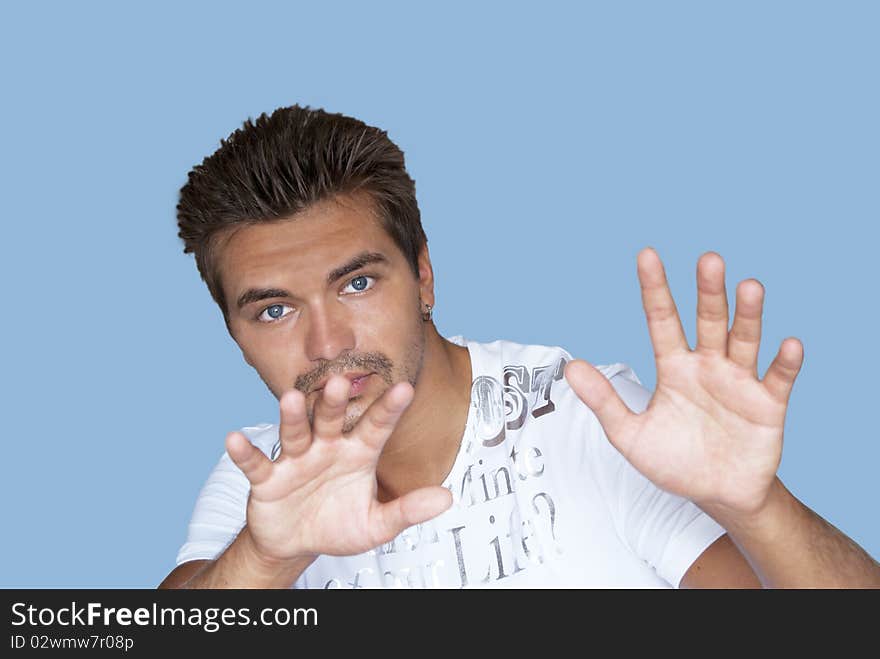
766 522
270 571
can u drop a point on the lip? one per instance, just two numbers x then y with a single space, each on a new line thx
352 377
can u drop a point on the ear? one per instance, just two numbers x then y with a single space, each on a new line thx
426 276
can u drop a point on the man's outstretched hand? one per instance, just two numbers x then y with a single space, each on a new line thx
712 431
320 495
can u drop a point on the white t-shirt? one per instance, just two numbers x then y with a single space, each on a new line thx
541 498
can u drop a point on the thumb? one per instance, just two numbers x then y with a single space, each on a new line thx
597 393
389 519
247 457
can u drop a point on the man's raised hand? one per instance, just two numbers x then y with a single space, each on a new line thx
320 495
712 431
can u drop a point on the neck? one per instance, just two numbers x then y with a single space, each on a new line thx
424 444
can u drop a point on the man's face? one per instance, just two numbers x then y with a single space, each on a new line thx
326 292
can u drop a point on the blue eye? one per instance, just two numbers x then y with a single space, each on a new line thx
274 312
360 283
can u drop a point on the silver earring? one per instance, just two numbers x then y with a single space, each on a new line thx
427 313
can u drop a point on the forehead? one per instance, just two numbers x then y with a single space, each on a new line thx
313 242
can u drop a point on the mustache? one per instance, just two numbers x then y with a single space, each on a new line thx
367 361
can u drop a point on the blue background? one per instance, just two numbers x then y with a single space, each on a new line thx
549 145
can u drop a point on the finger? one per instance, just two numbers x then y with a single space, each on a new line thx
380 419
780 376
712 316
295 433
389 519
664 324
247 457
745 335
330 408
597 392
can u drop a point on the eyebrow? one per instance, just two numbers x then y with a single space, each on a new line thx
364 258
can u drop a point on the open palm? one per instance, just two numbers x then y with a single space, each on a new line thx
320 495
712 431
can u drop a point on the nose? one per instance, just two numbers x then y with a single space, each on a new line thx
329 332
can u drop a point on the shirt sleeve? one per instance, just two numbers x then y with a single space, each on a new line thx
219 513
667 531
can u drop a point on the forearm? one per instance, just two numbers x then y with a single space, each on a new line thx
790 546
239 566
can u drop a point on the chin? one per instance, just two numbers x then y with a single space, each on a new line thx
356 408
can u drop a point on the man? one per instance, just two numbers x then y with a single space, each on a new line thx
403 458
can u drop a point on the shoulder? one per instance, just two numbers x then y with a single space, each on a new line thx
530 380
511 352
535 365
